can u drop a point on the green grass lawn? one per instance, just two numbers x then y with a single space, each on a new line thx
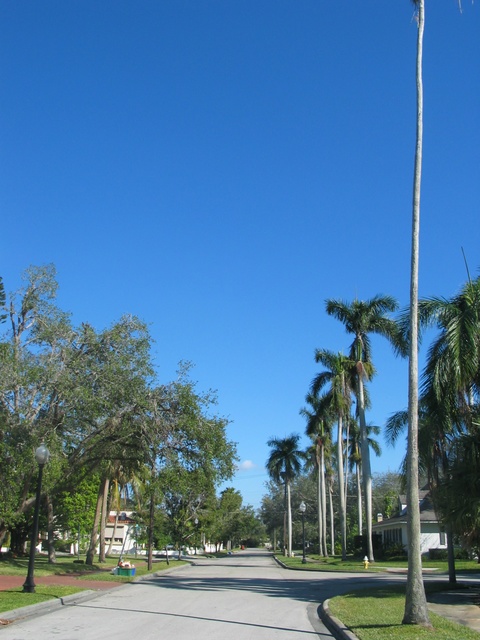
318 563
376 614
15 598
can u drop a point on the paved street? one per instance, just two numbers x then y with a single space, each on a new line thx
241 597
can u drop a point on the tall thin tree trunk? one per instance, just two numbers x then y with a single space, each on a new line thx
359 499
366 468
452 576
151 519
289 515
52 558
319 501
324 502
332 521
94 534
103 521
416 611
341 489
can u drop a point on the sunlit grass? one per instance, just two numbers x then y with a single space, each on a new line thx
15 598
335 563
376 614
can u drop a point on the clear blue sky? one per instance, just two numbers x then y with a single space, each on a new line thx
221 167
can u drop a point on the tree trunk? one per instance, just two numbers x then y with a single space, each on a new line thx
319 503
94 535
103 521
416 611
52 558
452 576
366 468
359 499
150 529
332 521
324 502
289 515
341 489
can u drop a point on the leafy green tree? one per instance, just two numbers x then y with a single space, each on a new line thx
31 369
283 464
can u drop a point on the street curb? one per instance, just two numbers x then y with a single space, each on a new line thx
336 626
41 608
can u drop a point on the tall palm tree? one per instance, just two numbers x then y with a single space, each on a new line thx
337 400
362 318
354 456
283 464
416 611
319 430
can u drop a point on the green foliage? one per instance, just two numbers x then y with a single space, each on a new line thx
92 396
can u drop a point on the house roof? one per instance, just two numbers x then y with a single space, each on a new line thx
427 512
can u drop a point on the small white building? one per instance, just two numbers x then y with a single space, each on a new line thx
394 530
121 527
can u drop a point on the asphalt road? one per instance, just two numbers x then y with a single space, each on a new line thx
246 596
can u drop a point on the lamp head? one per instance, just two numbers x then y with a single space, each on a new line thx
42 454
302 507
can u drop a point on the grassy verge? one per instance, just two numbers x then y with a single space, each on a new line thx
318 563
66 566
15 598
376 614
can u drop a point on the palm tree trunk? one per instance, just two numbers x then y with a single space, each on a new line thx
341 489
319 499
289 515
323 502
366 468
359 499
332 521
96 522
416 611
103 520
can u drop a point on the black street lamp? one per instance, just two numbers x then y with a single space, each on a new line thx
42 454
303 508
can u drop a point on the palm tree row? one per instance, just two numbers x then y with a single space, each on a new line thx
449 424
332 393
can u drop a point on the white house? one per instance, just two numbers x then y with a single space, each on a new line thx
121 527
394 530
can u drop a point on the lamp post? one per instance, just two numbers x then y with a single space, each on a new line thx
303 508
42 454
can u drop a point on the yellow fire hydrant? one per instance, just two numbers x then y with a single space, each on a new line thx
365 562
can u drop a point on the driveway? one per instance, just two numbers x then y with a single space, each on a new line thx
245 596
